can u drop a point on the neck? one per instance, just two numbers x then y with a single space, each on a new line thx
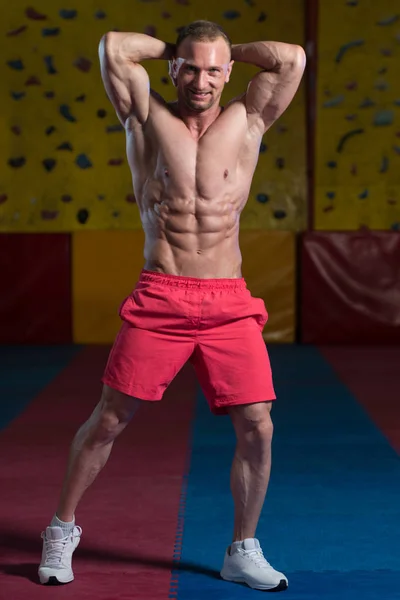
198 122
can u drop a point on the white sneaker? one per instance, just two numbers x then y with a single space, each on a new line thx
245 563
55 566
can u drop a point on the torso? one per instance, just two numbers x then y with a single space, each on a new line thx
190 192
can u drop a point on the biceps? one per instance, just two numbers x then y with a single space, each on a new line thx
128 87
269 94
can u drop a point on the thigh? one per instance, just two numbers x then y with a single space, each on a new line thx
233 366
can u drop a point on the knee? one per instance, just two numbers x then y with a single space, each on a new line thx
255 433
109 418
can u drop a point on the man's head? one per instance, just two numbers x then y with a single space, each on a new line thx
202 64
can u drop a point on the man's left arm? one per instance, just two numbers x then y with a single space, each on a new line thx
270 91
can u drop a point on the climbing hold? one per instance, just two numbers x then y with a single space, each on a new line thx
3 198
17 31
396 149
166 15
114 129
392 202
364 194
31 13
231 14
65 112
101 197
48 60
83 161
116 214
82 216
351 117
80 98
16 130
83 64
351 86
383 118
100 14
262 198
388 20
50 130
384 165
280 163
329 208
261 17
165 80
346 47
150 30
47 32
16 163
68 14
101 113
333 101
279 214
49 215
332 164
33 81
115 162
346 137
330 195
353 169
49 164
183 2
386 52
49 94
65 146
130 198
17 64
66 198
366 103
382 86
17 95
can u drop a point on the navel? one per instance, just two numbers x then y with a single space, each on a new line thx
166 172
226 173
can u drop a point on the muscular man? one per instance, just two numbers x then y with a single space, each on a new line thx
192 163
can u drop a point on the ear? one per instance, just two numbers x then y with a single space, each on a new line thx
229 71
173 71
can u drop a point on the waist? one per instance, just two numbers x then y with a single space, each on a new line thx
179 281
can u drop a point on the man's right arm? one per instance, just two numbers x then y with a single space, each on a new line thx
125 80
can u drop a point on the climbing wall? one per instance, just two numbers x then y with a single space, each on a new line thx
61 146
358 115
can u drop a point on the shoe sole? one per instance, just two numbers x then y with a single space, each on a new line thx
281 587
52 581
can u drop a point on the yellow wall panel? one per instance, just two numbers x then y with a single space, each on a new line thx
107 264
269 266
36 128
358 111
105 268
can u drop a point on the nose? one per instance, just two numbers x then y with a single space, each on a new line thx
201 80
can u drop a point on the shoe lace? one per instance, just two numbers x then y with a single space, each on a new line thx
258 558
55 548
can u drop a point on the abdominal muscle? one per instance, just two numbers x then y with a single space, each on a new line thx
192 238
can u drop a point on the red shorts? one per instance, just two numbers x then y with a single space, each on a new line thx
214 323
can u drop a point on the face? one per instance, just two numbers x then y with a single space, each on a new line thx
200 72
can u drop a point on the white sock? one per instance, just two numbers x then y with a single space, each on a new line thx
67 527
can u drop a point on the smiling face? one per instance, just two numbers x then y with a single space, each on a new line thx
201 71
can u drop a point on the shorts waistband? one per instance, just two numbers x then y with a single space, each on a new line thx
192 282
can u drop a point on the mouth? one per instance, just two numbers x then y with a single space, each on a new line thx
199 95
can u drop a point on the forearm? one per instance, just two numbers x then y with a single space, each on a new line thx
269 56
137 47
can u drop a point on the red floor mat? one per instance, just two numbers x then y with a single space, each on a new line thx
129 515
372 375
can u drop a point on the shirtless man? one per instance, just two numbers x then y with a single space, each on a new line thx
192 163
